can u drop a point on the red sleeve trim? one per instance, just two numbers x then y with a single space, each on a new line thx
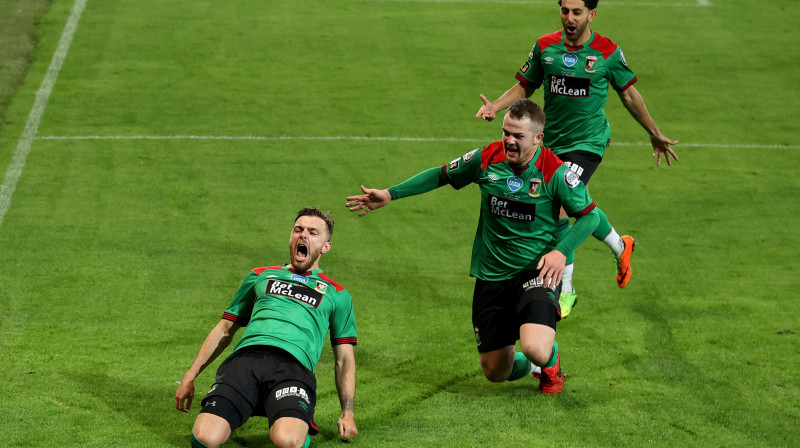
626 86
492 153
230 317
549 39
547 163
523 80
329 280
258 271
588 209
604 45
340 341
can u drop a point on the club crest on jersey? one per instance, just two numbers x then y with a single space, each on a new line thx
453 165
590 64
534 190
321 287
571 178
468 156
514 184
570 59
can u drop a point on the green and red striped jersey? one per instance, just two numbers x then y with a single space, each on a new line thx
519 207
575 81
293 311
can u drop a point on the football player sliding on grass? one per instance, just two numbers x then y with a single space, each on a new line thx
517 258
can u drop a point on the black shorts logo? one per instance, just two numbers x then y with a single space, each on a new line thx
292 391
569 86
298 292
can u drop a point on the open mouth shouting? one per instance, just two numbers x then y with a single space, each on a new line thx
301 252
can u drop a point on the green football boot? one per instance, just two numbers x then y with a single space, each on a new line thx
567 300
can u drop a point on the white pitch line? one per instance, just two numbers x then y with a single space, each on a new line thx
378 139
35 117
701 3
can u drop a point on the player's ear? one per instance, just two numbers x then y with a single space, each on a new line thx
592 14
325 248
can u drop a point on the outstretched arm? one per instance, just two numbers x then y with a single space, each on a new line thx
345 370
490 108
372 199
216 341
661 144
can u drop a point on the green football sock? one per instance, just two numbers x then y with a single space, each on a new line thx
308 442
198 444
522 367
553 356
603 228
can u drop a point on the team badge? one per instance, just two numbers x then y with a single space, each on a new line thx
571 178
534 190
570 59
468 156
590 64
453 165
514 184
321 287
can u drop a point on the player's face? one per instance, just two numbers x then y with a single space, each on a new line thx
520 140
309 240
575 17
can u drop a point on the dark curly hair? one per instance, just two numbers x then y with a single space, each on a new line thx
591 4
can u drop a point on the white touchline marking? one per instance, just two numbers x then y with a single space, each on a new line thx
35 117
378 138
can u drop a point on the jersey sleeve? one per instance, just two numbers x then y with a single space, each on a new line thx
464 170
343 320
423 182
241 307
576 202
573 194
620 76
531 73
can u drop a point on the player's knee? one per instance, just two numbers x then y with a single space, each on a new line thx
210 430
538 354
204 440
494 372
285 439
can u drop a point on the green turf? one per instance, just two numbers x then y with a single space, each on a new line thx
117 256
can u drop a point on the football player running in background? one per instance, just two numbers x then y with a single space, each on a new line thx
517 259
575 66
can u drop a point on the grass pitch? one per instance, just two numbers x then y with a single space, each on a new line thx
180 138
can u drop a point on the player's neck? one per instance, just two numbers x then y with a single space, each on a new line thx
580 40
